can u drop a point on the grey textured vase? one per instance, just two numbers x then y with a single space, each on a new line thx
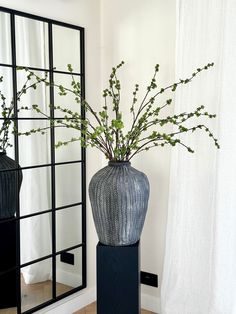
10 182
119 197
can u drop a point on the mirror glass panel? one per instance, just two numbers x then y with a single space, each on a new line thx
7 92
36 284
66 48
69 276
40 230
8 296
67 101
6 86
33 53
38 95
35 193
5 37
71 151
6 308
68 227
35 148
68 189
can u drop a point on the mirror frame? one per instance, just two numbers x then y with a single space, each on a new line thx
51 70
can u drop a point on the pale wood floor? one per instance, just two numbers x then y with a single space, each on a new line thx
12 310
91 309
38 293
35 294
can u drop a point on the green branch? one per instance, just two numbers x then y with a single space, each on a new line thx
106 132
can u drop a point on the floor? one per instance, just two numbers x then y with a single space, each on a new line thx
91 309
38 293
9 311
35 294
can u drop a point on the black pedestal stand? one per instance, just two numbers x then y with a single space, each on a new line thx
7 261
118 279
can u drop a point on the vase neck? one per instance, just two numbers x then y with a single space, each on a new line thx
118 163
2 153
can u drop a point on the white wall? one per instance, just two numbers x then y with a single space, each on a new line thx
142 33
84 13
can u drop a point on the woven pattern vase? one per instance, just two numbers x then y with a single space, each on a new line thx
10 182
119 197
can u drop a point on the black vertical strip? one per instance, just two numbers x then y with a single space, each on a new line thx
83 165
52 143
16 143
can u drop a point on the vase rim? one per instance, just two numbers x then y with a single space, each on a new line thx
119 163
3 153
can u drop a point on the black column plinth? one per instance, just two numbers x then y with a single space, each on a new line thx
7 261
118 279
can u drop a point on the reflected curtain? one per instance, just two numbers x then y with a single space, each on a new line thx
5 56
199 268
36 231
5 38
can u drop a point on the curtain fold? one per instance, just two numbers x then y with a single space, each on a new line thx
199 268
5 57
35 232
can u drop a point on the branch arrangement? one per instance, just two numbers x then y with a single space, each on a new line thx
8 114
107 132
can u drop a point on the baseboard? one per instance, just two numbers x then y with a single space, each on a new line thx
72 303
151 303
69 279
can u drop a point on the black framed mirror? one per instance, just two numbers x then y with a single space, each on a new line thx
44 245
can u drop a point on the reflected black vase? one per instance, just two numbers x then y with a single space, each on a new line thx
10 183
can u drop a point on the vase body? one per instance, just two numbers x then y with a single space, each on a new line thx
10 182
119 198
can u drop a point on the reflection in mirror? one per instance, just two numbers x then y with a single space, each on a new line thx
38 240
34 35
67 152
6 86
69 51
68 187
8 296
5 37
39 96
68 101
36 291
35 193
34 149
69 276
8 300
68 227
6 89
72 151
11 310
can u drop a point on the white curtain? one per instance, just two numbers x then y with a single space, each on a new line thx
5 52
33 150
5 57
200 260
31 43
